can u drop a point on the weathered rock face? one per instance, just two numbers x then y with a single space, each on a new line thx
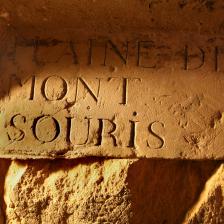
85 191
210 206
104 191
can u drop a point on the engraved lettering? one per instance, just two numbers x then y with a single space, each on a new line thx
35 44
16 134
90 56
125 88
46 128
188 58
156 135
15 80
219 56
132 141
125 91
86 85
35 52
57 90
144 45
74 54
69 131
116 51
32 88
106 132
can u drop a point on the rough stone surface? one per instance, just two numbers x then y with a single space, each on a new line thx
77 192
103 191
210 206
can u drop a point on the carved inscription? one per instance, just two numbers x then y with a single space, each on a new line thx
147 97
146 54
46 128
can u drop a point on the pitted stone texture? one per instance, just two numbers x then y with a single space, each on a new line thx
103 191
67 192
210 206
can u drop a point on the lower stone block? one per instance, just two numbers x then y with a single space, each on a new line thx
103 190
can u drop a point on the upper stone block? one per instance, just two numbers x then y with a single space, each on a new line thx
87 91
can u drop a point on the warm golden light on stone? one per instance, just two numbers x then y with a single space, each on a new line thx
111 112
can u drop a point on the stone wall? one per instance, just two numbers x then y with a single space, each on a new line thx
111 185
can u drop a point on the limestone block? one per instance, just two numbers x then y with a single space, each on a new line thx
210 206
67 192
87 79
157 97
103 191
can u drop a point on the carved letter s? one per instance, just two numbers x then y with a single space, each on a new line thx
162 141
